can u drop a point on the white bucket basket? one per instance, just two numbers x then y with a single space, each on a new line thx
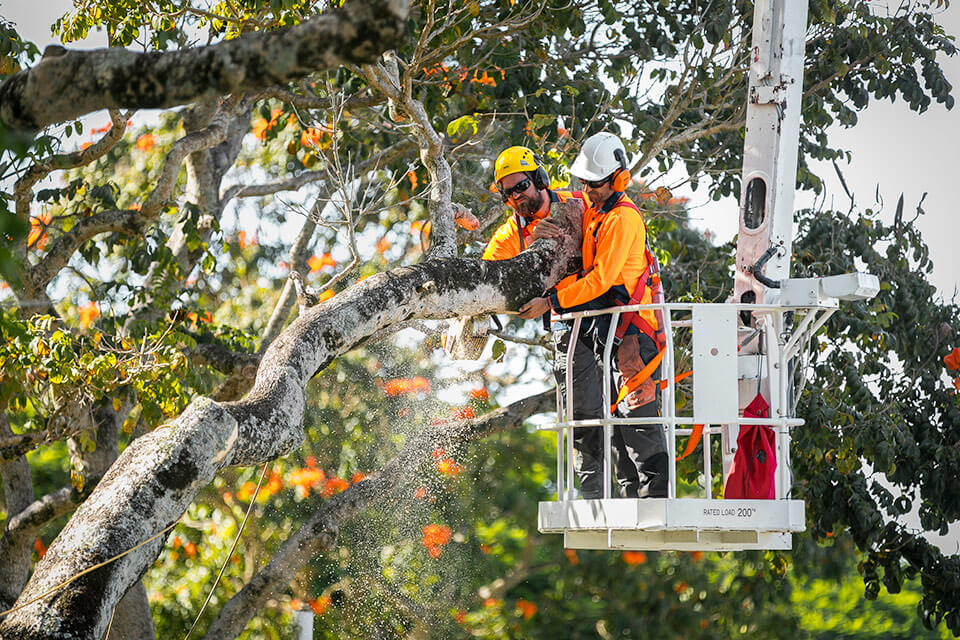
698 519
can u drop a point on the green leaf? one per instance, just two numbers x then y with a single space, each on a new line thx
463 127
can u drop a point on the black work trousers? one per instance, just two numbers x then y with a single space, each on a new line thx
639 452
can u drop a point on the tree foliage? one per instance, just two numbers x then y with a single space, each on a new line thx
148 267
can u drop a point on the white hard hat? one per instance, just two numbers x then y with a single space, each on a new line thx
598 157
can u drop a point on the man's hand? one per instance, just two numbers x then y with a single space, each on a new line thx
535 308
546 229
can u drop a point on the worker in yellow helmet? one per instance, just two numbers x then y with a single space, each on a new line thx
524 185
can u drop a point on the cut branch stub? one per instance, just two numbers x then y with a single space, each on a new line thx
70 85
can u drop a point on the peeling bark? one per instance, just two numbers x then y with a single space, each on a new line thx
78 82
158 475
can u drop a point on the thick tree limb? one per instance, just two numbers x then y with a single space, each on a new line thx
18 495
319 534
158 475
78 82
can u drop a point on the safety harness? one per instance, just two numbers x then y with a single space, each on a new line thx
649 278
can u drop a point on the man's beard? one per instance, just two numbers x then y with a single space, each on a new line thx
529 207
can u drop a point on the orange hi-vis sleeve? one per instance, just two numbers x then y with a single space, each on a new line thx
616 257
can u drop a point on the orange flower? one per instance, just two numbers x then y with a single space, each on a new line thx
412 176
85 146
463 413
146 142
40 548
561 132
571 556
634 557
306 479
680 587
244 241
261 126
435 536
246 491
313 137
460 616
326 295
485 548
88 313
416 226
296 605
320 605
490 602
311 462
177 542
420 493
448 467
319 262
438 453
399 386
952 360
228 497
383 245
480 393
485 79
696 556
526 608
334 485
38 230
190 549
136 206
357 477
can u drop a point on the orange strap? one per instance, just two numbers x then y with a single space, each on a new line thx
692 441
638 379
682 376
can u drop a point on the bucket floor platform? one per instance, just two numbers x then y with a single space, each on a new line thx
685 524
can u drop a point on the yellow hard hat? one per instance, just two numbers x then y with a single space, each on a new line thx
515 160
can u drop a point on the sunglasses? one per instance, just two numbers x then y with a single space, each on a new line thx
595 184
520 187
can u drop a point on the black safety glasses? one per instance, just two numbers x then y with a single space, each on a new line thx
595 184
520 187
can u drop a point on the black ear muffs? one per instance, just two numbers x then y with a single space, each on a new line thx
540 178
621 177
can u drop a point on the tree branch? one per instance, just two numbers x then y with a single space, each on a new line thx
78 82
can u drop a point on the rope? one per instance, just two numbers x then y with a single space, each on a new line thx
233 548
89 570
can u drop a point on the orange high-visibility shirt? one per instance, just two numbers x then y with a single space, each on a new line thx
505 242
614 254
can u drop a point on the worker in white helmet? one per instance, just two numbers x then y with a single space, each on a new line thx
617 269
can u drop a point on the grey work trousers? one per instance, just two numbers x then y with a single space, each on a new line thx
639 452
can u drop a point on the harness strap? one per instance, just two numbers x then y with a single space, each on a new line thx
692 441
637 379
